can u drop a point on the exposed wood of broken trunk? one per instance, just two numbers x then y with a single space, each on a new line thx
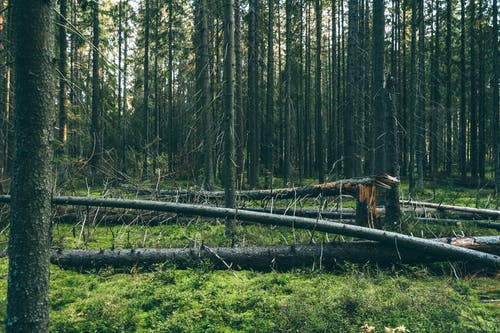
263 258
445 251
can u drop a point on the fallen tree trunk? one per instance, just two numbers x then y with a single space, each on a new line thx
482 224
345 186
262 258
493 213
445 251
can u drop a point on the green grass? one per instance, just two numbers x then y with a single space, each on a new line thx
202 300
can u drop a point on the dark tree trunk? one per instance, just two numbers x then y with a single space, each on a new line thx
228 124
473 91
95 127
449 124
145 96
378 87
462 158
413 98
351 163
482 114
494 99
238 98
119 84
269 123
420 121
288 92
203 87
170 92
63 76
253 98
318 103
434 116
29 240
156 124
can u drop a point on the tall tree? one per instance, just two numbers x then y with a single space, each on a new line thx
434 116
63 74
494 99
473 91
95 127
228 123
203 85
288 91
413 100
351 161
253 98
29 240
145 100
318 103
269 123
420 121
449 124
333 125
378 86
462 159
238 98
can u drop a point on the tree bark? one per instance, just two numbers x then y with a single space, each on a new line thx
495 99
95 127
145 95
63 72
266 258
29 240
253 98
478 211
318 102
403 241
228 92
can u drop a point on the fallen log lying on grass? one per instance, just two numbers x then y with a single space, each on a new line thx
487 213
262 258
345 186
478 223
424 246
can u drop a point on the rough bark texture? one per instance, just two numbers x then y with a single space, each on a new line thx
264 258
29 242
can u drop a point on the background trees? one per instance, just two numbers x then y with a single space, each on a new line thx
308 76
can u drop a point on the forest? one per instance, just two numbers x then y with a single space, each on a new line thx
307 165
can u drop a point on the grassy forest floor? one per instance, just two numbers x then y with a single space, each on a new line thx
441 297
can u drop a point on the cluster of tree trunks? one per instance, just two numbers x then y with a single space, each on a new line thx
265 258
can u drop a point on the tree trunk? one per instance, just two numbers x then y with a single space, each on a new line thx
318 103
203 84
253 98
280 257
473 91
494 99
462 158
378 87
288 98
425 246
351 164
238 99
269 123
145 95
95 126
63 76
29 240
449 123
228 126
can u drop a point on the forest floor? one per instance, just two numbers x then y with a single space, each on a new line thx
441 297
